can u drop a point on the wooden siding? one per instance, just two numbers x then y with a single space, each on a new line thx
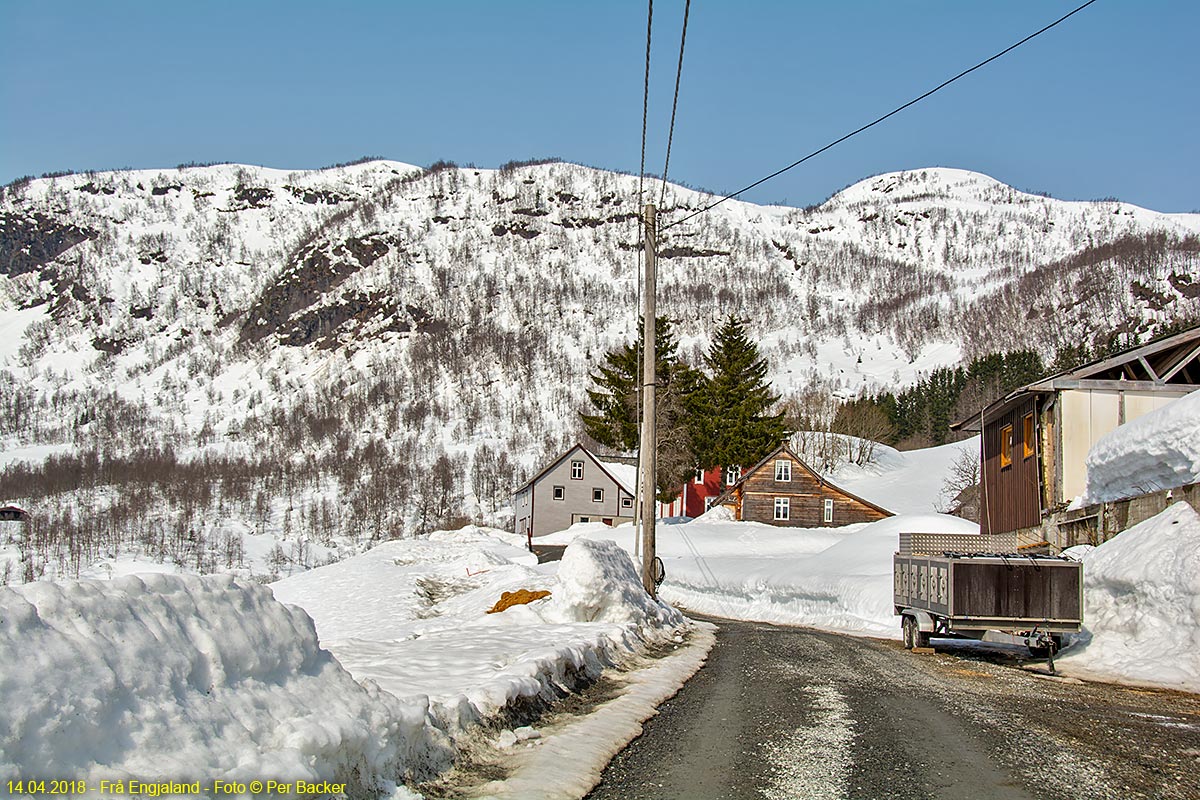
806 493
1011 496
989 590
1017 590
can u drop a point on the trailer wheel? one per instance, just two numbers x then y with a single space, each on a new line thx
920 637
909 627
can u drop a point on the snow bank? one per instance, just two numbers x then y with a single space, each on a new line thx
846 586
411 616
184 678
597 582
589 742
1142 605
1160 450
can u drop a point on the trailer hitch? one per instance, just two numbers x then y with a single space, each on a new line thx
1042 643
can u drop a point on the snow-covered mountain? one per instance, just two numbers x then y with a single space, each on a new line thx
343 354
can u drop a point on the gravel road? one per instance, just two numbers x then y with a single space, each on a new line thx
783 712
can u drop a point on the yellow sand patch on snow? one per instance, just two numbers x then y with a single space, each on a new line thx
518 598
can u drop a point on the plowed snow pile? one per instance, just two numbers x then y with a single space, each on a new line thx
597 582
1160 450
412 617
180 678
184 678
1142 605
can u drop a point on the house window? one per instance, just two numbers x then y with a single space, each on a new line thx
1028 432
708 502
585 519
783 507
783 471
699 475
626 502
1006 446
597 495
576 470
829 510
560 492
732 475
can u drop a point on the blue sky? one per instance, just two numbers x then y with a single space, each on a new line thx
1104 105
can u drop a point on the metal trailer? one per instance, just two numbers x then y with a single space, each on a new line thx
964 586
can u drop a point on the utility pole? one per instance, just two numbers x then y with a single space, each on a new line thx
649 447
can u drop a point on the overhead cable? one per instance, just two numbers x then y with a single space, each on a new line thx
645 100
872 124
675 103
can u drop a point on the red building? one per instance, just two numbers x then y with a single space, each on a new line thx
696 496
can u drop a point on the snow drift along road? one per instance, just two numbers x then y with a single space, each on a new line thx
180 678
183 678
1141 597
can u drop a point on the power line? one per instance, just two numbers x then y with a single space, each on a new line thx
872 124
637 501
674 103
645 99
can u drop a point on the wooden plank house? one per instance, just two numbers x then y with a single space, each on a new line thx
783 490
1035 440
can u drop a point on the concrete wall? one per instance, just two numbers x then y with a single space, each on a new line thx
1099 523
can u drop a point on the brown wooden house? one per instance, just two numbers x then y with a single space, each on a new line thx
1035 441
783 490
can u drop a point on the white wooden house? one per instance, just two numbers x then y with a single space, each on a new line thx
578 486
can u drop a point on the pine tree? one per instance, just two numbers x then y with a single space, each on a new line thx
731 423
616 395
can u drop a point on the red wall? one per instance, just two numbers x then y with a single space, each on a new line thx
693 494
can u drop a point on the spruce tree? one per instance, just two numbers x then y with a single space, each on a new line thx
731 420
616 395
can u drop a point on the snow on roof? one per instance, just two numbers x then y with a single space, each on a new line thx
624 474
1159 450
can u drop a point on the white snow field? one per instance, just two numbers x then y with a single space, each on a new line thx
167 677
905 481
1160 450
1142 605
837 579
1142 588
410 617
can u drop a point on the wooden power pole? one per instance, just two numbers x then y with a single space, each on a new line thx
649 446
